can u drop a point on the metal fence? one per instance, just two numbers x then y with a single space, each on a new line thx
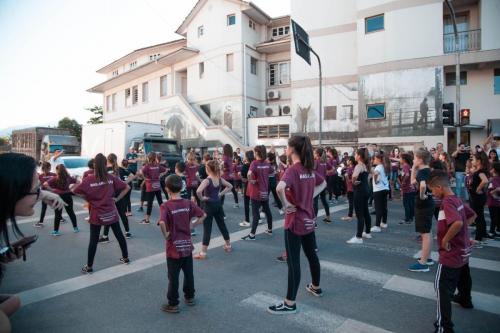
469 40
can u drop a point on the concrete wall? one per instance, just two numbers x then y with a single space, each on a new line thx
490 24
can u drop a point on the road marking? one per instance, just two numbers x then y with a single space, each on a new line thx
311 318
486 264
84 281
493 243
409 286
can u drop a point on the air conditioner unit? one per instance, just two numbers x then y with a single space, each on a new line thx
286 110
273 94
271 111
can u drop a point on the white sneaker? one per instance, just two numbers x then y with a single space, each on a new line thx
282 212
262 215
261 221
367 236
244 224
236 206
383 225
374 229
87 218
355 240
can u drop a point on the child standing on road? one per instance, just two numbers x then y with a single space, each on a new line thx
45 176
322 168
180 170
191 174
454 251
249 157
175 223
407 189
494 200
152 173
348 184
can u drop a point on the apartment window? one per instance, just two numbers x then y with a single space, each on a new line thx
330 113
164 85
229 62
153 57
133 64
135 94
201 69
281 31
201 30
374 23
450 78
108 103
375 111
127 97
113 102
279 74
348 112
145 92
231 19
115 73
496 81
273 131
251 24
253 65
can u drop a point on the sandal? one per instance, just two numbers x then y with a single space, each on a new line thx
200 256
228 248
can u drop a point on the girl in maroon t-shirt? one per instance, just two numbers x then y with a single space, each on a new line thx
493 200
408 190
349 189
152 173
210 192
228 172
237 165
321 166
258 185
44 177
60 184
299 185
99 190
192 178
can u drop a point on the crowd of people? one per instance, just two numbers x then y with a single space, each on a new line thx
298 180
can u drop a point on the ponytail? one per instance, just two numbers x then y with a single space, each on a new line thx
112 159
62 175
100 168
303 147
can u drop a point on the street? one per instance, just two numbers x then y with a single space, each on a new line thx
367 287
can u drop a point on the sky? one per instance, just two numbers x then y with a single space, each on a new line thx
50 50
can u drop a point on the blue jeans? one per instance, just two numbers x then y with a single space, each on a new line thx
460 189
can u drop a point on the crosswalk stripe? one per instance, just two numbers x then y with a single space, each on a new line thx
311 318
474 262
84 281
493 243
409 286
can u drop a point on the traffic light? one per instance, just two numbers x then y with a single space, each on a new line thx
448 114
464 117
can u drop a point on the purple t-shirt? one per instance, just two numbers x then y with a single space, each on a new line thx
405 179
100 198
152 173
227 168
191 170
61 188
494 184
322 167
300 185
260 172
453 210
177 215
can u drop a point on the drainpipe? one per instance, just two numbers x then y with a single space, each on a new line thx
245 113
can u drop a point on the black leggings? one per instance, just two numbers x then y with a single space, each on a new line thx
350 199
68 199
495 219
293 243
380 198
121 207
322 195
362 213
477 203
235 194
214 211
128 204
409 205
44 210
192 193
246 202
95 230
150 197
272 189
256 214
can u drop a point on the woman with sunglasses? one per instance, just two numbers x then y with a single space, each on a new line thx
19 192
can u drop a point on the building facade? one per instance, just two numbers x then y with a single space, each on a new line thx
388 67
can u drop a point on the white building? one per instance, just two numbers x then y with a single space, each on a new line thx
387 67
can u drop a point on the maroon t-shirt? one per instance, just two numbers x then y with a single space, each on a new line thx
88 173
348 182
45 177
453 210
227 168
237 170
494 184
191 170
61 188
151 174
100 196
405 180
260 173
177 215
322 168
300 185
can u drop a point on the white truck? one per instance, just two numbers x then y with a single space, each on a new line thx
118 137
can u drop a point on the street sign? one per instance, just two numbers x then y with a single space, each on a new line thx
301 39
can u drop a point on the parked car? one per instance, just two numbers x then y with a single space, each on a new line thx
76 165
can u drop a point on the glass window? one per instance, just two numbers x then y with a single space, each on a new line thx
164 85
450 78
108 103
145 92
374 23
135 95
496 83
231 19
200 31
253 65
113 102
229 62
127 97
375 111
330 113
284 73
201 69
279 73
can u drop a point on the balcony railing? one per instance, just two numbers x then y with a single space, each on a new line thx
469 40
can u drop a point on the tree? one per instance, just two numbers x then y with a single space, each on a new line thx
4 141
72 125
97 111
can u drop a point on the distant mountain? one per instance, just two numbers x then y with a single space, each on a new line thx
8 130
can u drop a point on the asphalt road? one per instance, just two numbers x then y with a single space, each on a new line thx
367 288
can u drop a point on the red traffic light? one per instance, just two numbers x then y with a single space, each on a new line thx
464 117
465 112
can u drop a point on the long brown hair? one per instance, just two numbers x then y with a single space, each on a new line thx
227 150
112 159
100 168
62 175
363 153
303 147
152 158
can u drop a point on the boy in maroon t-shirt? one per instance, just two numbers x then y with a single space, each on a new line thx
454 250
175 222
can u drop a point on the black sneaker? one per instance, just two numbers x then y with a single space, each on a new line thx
327 220
190 301
170 308
315 225
248 237
87 270
281 259
103 240
315 292
128 235
458 299
125 261
282 309
269 232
